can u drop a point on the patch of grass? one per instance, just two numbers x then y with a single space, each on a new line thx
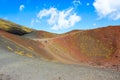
20 53
29 55
14 28
9 48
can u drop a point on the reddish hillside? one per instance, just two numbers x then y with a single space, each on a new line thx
99 47
22 46
96 47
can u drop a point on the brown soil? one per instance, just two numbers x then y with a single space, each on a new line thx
97 47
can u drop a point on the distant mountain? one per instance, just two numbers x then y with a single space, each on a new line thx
38 34
96 47
14 28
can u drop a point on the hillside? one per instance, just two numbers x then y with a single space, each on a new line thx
14 28
99 47
22 46
16 67
96 47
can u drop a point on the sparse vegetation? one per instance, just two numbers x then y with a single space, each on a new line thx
91 46
31 48
14 28
9 48
29 55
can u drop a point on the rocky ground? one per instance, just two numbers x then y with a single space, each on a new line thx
16 67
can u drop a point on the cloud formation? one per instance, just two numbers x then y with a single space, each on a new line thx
21 7
59 19
108 8
76 2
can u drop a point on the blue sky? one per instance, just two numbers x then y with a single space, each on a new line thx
61 15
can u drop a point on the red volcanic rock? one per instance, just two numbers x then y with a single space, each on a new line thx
98 47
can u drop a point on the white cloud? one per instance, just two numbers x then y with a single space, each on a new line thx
21 7
53 12
108 8
76 2
59 19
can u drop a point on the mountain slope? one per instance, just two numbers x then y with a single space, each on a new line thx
22 46
95 47
99 47
14 28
